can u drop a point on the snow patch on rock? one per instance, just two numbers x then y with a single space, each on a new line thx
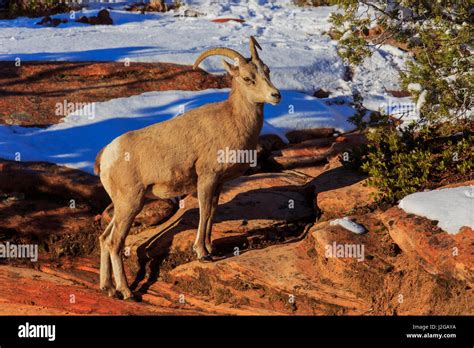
349 225
453 207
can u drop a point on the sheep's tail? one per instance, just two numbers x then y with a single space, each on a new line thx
97 161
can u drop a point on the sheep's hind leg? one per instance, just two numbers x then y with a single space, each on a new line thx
124 213
106 284
206 189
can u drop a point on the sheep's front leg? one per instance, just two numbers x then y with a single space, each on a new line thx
206 188
215 202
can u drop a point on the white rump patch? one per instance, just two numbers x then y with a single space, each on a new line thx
110 155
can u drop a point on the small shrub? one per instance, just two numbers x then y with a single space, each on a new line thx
177 4
400 162
394 168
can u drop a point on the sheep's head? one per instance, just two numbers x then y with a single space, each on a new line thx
252 75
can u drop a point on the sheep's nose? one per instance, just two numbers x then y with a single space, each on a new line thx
276 95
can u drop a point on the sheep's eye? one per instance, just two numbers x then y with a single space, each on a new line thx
247 79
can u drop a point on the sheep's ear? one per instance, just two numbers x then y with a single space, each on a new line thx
231 69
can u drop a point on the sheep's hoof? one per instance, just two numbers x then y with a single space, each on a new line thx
128 296
206 258
209 248
132 298
109 291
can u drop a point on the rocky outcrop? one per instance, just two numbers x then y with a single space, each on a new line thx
39 179
102 18
315 147
51 22
309 276
299 136
276 207
68 291
50 205
104 81
271 258
305 154
276 280
341 191
440 253
346 142
374 267
338 191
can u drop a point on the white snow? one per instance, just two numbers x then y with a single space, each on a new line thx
76 141
349 225
300 54
295 45
453 208
414 87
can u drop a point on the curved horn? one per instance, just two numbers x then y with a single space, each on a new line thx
219 51
253 48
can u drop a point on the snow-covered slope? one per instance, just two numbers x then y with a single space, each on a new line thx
295 44
453 208
76 141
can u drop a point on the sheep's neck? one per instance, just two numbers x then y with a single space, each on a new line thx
248 116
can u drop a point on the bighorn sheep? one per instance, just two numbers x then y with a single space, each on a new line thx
179 156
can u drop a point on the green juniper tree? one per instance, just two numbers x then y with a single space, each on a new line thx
439 35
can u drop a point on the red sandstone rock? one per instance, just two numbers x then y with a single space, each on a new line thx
340 190
448 255
104 81
307 153
321 93
347 142
36 179
268 143
299 136
51 22
225 20
285 162
341 201
289 274
102 18
50 205
253 210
